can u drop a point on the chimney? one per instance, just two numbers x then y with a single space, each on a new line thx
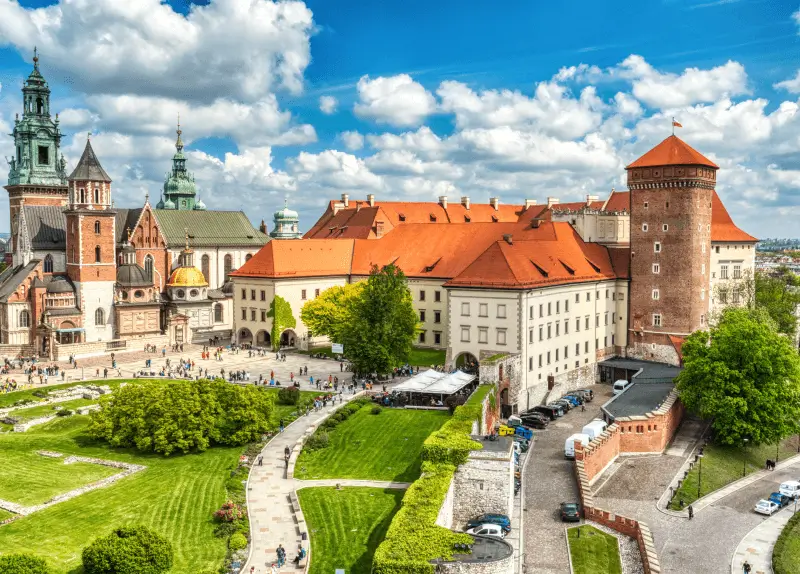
551 201
591 198
465 201
508 238
443 201
371 199
379 229
529 203
494 202
346 200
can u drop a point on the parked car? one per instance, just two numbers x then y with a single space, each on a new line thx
569 445
790 488
780 499
621 386
560 410
564 404
588 394
570 512
536 415
548 411
767 507
574 399
500 519
594 428
488 530
535 422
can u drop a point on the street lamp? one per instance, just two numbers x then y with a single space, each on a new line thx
744 460
699 472
777 448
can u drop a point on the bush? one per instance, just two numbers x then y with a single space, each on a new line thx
41 393
182 416
318 440
289 396
375 410
64 413
786 553
128 550
23 564
229 512
237 542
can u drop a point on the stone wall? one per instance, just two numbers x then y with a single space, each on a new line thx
579 378
96 348
505 370
483 484
445 516
663 352
13 351
502 566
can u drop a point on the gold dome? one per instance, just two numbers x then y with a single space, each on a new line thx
187 277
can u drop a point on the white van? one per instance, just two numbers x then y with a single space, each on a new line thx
594 428
621 385
569 446
790 488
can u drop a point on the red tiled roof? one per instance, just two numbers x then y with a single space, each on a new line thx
677 342
621 261
672 151
722 226
618 201
300 258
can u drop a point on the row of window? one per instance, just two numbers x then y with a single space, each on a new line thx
437 296
483 310
253 312
557 325
437 316
550 305
483 335
437 337
723 272
548 356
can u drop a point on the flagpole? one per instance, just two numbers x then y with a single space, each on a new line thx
673 126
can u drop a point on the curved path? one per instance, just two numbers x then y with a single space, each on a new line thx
757 546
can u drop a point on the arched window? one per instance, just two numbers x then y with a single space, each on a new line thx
148 266
96 195
99 317
205 264
97 254
24 319
97 227
39 106
228 264
248 257
218 314
48 263
82 194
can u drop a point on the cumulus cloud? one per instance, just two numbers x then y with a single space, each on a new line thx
353 141
227 48
791 85
334 168
327 104
396 100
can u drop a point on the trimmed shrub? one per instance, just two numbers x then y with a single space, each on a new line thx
375 410
451 444
23 564
229 512
41 393
785 555
318 440
128 550
64 413
289 396
237 542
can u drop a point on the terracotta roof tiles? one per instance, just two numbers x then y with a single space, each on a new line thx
672 151
722 226
300 258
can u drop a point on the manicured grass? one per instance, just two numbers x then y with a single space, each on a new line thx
420 357
29 478
594 551
786 554
346 526
50 409
724 464
5 514
386 446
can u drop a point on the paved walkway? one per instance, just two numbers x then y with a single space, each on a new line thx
757 546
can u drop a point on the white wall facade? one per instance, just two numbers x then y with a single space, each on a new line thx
732 264
14 334
96 295
430 301
216 260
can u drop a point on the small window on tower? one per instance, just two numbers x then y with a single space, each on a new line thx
665 227
97 227
97 254
44 155
644 227
645 205
96 195
657 247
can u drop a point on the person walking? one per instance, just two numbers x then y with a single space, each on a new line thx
281 552
691 512
746 567
281 425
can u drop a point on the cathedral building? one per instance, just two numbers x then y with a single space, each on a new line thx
87 276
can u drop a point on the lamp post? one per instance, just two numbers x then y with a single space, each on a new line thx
699 472
777 449
744 460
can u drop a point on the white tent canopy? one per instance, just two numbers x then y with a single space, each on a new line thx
434 382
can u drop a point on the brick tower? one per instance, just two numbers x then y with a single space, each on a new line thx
37 175
671 188
91 253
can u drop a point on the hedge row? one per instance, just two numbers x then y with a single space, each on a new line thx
786 554
413 538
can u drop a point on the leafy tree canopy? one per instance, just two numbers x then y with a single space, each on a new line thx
745 376
331 312
282 318
128 550
779 295
23 564
182 416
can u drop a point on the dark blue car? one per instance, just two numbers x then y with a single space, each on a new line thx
780 499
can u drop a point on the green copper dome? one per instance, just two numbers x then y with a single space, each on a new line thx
286 223
285 213
169 204
180 189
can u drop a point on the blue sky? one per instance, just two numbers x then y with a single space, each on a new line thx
428 98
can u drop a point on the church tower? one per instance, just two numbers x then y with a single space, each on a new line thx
286 223
671 189
91 249
180 190
37 170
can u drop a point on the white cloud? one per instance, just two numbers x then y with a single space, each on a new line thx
227 48
581 72
423 142
327 104
396 100
792 85
335 169
353 141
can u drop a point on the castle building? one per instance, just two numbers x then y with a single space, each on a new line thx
561 286
87 276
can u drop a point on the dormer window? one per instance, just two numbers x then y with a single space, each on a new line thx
402 216
433 218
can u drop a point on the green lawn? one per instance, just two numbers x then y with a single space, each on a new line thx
378 447
420 357
49 409
786 554
29 478
725 464
5 514
594 551
346 526
176 496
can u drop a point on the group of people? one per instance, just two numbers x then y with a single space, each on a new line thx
281 559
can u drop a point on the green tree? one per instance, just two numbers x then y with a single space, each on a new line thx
23 564
332 311
282 319
745 376
779 295
128 550
382 325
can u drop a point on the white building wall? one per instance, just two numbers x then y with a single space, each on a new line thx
18 335
732 265
97 295
216 260
430 296
483 321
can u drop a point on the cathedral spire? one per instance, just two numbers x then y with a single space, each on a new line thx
179 143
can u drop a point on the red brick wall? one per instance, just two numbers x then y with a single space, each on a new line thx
84 239
688 191
598 453
147 240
